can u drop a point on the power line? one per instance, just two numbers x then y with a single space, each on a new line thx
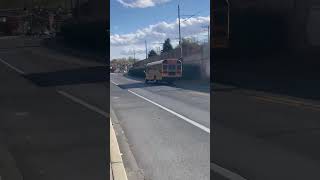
190 16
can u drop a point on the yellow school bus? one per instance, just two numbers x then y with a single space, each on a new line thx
166 70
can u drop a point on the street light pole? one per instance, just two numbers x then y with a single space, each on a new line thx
31 20
208 34
78 9
71 5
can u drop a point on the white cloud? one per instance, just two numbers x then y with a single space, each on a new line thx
132 51
123 44
160 31
141 3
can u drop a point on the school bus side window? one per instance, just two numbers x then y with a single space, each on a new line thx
165 66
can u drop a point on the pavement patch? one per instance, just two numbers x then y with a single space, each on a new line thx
21 113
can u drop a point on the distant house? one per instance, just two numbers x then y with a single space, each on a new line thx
11 22
3 24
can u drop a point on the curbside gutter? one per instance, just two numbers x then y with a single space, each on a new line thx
116 163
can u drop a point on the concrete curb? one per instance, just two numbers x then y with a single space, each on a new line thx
8 165
118 170
131 166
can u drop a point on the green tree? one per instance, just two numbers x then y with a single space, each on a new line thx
189 46
189 43
167 47
152 53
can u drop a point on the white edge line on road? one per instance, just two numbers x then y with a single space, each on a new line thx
174 113
83 103
225 172
12 67
114 83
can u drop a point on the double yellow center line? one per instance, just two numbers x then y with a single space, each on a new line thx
288 102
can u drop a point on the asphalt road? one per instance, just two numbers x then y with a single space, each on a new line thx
53 113
260 135
168 128
54 110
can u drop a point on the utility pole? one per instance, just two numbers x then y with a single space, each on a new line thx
71 5
31 20
207 29
208 34
180 45
145 42
134 56
159 48
78 9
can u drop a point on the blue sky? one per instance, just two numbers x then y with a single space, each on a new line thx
133 21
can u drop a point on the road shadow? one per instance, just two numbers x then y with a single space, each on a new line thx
58 45
200 86
217 89
85 75
290 76
138 85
